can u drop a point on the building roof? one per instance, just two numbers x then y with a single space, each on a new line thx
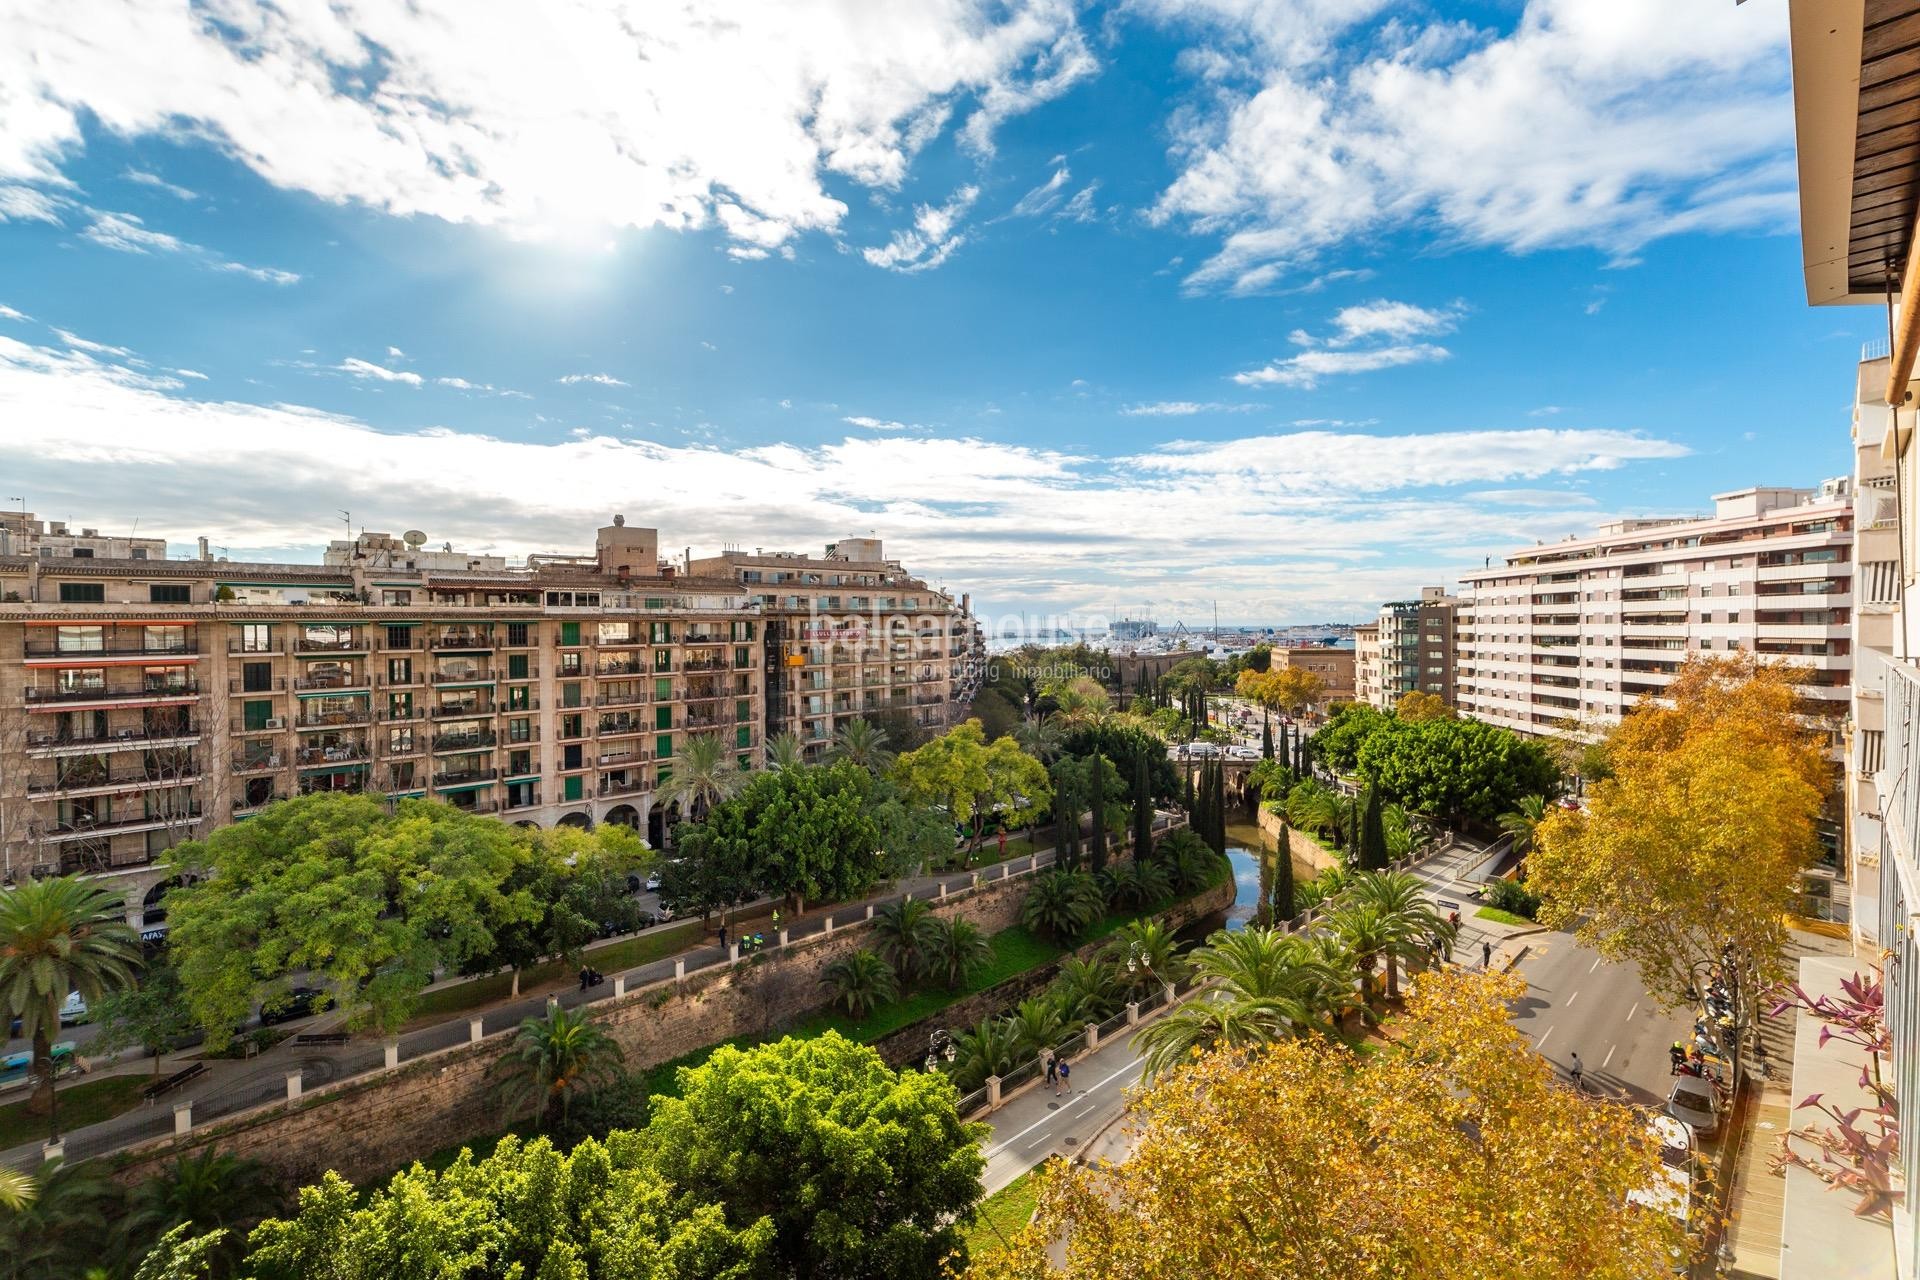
1856 94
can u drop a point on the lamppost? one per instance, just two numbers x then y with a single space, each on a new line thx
940 1048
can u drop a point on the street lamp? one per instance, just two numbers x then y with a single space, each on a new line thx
940 1048
1138 961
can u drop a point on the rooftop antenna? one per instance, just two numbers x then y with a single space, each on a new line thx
348 517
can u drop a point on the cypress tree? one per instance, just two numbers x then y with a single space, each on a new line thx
1142 809
1186 788
1266 739
1283 879
1097 795
1373 835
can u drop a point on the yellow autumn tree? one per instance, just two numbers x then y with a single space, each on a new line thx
1417 704
1451 1154
1689 855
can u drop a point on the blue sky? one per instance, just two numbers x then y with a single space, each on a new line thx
1290 306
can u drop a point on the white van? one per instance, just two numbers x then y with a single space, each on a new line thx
74 1010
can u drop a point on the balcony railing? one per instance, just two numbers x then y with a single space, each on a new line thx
242 805
476 675
254 648
278 684
111 648
463 741
341 644
79 828
631 788
258 764
329 719
147 690
613 759
460 640
115 739
530 800
455 777
349 753
334 680
619 728
620 699
462 711
84 780
607 670
324 785
705 664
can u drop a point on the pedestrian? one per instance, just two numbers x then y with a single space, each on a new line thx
1677 1055
1574 1069
723 933
1053 1073
1066 1075
1486 955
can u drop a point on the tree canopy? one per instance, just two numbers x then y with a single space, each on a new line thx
805 833
969 777
1450 1153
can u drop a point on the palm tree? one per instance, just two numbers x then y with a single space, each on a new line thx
554 1057
784 751
954 949
990 1049
1189 862
1316 809
1120 884
1410 916
1145 954
1152 882
1267 985
1062 904
861 981
864 743
17 1189
205 1192
1040 738
57 1235
1038 1023
704 774
1089 988
57 936
903 935
1525 819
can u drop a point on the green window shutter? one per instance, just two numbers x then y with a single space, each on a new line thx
743 736
662 690
663 659
663 750
569 633
743 710
572 786
516 666
257 714
570 694
663 717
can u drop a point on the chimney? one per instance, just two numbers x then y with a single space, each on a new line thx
203 550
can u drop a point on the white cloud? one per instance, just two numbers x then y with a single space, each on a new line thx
603 379
1043 198
158 183
1309 367
126 233
1361 517
364 369
79 343
786 404
735 112
1603 125
8 313
24 204
932 238
1336 353
265 275
395 353
1183 408
881 424
195 374
1549 498
1394 320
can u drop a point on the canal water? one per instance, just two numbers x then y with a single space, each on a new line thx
1243 852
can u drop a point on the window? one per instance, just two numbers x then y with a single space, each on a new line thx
742 656
83 593
519 730
743 736
663 750
663 717
517 635
80 639
517 666
169 593
519 762
660 632
400 739
569 633
83 553
399 670
254 715
662 690
573 727
396 597
570 696
256 637
663 659
573 787
400 706
256 677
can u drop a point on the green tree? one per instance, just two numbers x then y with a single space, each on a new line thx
1337 744
955 949
704 774
1266 738
860 982
1097 786
861 742
1462 771
1063 904
1188 860
970 778
152 1015
914 837
575 883
1284 907
17 1189
204 1192
903 936
1523 820
1142 799
61 1231
785 751
57 936
1401 898
862 1171
1372 844
1043 739
1089 988
1146 955
1266 986
525 1210
805 834
990 1048
1038 1023
554 1058
179 1254
713 869
371 903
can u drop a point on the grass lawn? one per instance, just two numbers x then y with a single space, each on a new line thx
609 957
1003 1213
1504 917
80 1104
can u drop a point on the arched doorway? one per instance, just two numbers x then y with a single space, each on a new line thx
625 815
529 823
581 820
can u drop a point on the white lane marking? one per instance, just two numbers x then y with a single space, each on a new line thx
1543 1039
1594 965
1609 1057
1053 1115
1632 1011
1572 998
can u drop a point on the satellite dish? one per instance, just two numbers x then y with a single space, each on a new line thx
414 538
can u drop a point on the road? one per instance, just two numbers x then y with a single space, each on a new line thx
1578 1002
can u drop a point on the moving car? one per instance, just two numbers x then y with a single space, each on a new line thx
301 1002
1691 1102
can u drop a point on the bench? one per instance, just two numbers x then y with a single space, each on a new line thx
174 1081
322 1037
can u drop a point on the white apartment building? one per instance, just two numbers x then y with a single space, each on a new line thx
1568 635
1367 672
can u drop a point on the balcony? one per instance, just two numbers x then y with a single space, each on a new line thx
332 719
479 806
114 647
97 858
400 715
462 711
100 781
706 664
463 741
334 680
335 644
459 777
629 699
259 763
709 719
85 828
325 784
461 641
531 673
613 759
255 649
475 675
66 741
529 800
339 753
243 807
609 670
148 691
277 684
633 787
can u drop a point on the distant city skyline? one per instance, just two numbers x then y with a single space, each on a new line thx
1280 303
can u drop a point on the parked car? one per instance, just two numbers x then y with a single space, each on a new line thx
653 882
1672 1191
1244 753
301 1002
73 1010
1692 1102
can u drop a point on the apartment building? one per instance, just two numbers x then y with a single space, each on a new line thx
144 700
1416 639
1368 674
851 635
1335 667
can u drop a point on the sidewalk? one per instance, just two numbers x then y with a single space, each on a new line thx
1036 1124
